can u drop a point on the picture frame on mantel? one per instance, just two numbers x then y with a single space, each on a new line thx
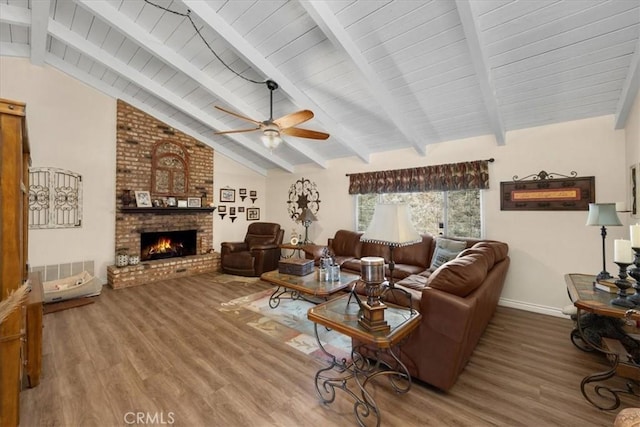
194 202
143 199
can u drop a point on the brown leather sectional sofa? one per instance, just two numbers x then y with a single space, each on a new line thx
456 299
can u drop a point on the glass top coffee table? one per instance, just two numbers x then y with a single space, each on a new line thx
307 287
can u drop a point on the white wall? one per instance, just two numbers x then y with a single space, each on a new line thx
71 126
543 245
229 173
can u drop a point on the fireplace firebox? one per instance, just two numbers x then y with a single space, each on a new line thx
167 244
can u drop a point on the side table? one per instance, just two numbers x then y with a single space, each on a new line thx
341 314
588 299
295 249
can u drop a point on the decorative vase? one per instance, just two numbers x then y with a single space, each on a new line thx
127 198
134 259
122 260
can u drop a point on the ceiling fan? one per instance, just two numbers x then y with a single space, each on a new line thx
271 129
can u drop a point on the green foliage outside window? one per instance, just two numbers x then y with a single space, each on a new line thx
457 211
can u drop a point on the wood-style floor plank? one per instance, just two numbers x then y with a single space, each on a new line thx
166 349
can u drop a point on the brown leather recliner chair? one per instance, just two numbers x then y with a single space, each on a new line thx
258 253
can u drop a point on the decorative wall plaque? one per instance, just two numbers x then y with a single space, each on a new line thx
544 192
303 194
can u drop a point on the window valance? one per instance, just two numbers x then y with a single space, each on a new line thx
447 177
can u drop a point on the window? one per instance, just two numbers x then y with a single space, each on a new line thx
451 213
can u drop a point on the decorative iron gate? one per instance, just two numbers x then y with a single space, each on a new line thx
55 198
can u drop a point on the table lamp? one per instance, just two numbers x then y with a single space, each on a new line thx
603 214
391 225
306 218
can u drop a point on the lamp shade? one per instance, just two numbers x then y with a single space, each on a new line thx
391 225
603 214
307 216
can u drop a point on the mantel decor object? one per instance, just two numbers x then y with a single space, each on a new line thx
544 192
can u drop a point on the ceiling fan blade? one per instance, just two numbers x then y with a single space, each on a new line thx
293 119
238 115
305 133
236 131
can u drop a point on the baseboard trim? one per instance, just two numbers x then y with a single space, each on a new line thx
535 308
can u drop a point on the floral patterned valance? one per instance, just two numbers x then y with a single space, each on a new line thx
449 177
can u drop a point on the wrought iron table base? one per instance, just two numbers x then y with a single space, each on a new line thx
632 387
274 299
605 392
362 371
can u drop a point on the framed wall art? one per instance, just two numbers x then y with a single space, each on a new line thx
544 192
253 214
222 209
227 195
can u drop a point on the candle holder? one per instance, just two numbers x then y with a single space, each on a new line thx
372 273
635 273
623 284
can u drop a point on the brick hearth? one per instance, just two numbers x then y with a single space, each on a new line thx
138 134
152 271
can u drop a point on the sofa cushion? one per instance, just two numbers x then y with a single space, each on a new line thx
500 249
414 281
418 254
446 250
485 251
346 243
460 276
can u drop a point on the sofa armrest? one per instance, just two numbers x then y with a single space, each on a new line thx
447 314
312 251
266 247
231 247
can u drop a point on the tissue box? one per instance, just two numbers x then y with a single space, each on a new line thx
296 266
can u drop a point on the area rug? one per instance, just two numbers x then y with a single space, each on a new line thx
288 323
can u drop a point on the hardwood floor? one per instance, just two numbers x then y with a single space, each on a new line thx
164 350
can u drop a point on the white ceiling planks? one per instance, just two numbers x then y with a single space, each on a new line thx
378 74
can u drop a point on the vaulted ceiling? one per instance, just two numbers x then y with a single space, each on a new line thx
379 75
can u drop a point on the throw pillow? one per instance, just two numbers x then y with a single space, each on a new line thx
445 251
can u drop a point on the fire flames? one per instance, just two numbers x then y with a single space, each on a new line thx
164 245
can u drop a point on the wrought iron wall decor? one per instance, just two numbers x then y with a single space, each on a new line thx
169 169
544 192
55 198
303 194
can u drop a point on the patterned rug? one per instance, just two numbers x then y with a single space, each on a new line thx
288 323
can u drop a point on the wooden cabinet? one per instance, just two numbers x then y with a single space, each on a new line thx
14 178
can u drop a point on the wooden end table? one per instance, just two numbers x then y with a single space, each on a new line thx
588 299
307 287
341 314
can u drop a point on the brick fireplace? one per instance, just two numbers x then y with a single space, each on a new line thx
151 156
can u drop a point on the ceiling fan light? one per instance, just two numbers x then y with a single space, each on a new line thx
271 138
